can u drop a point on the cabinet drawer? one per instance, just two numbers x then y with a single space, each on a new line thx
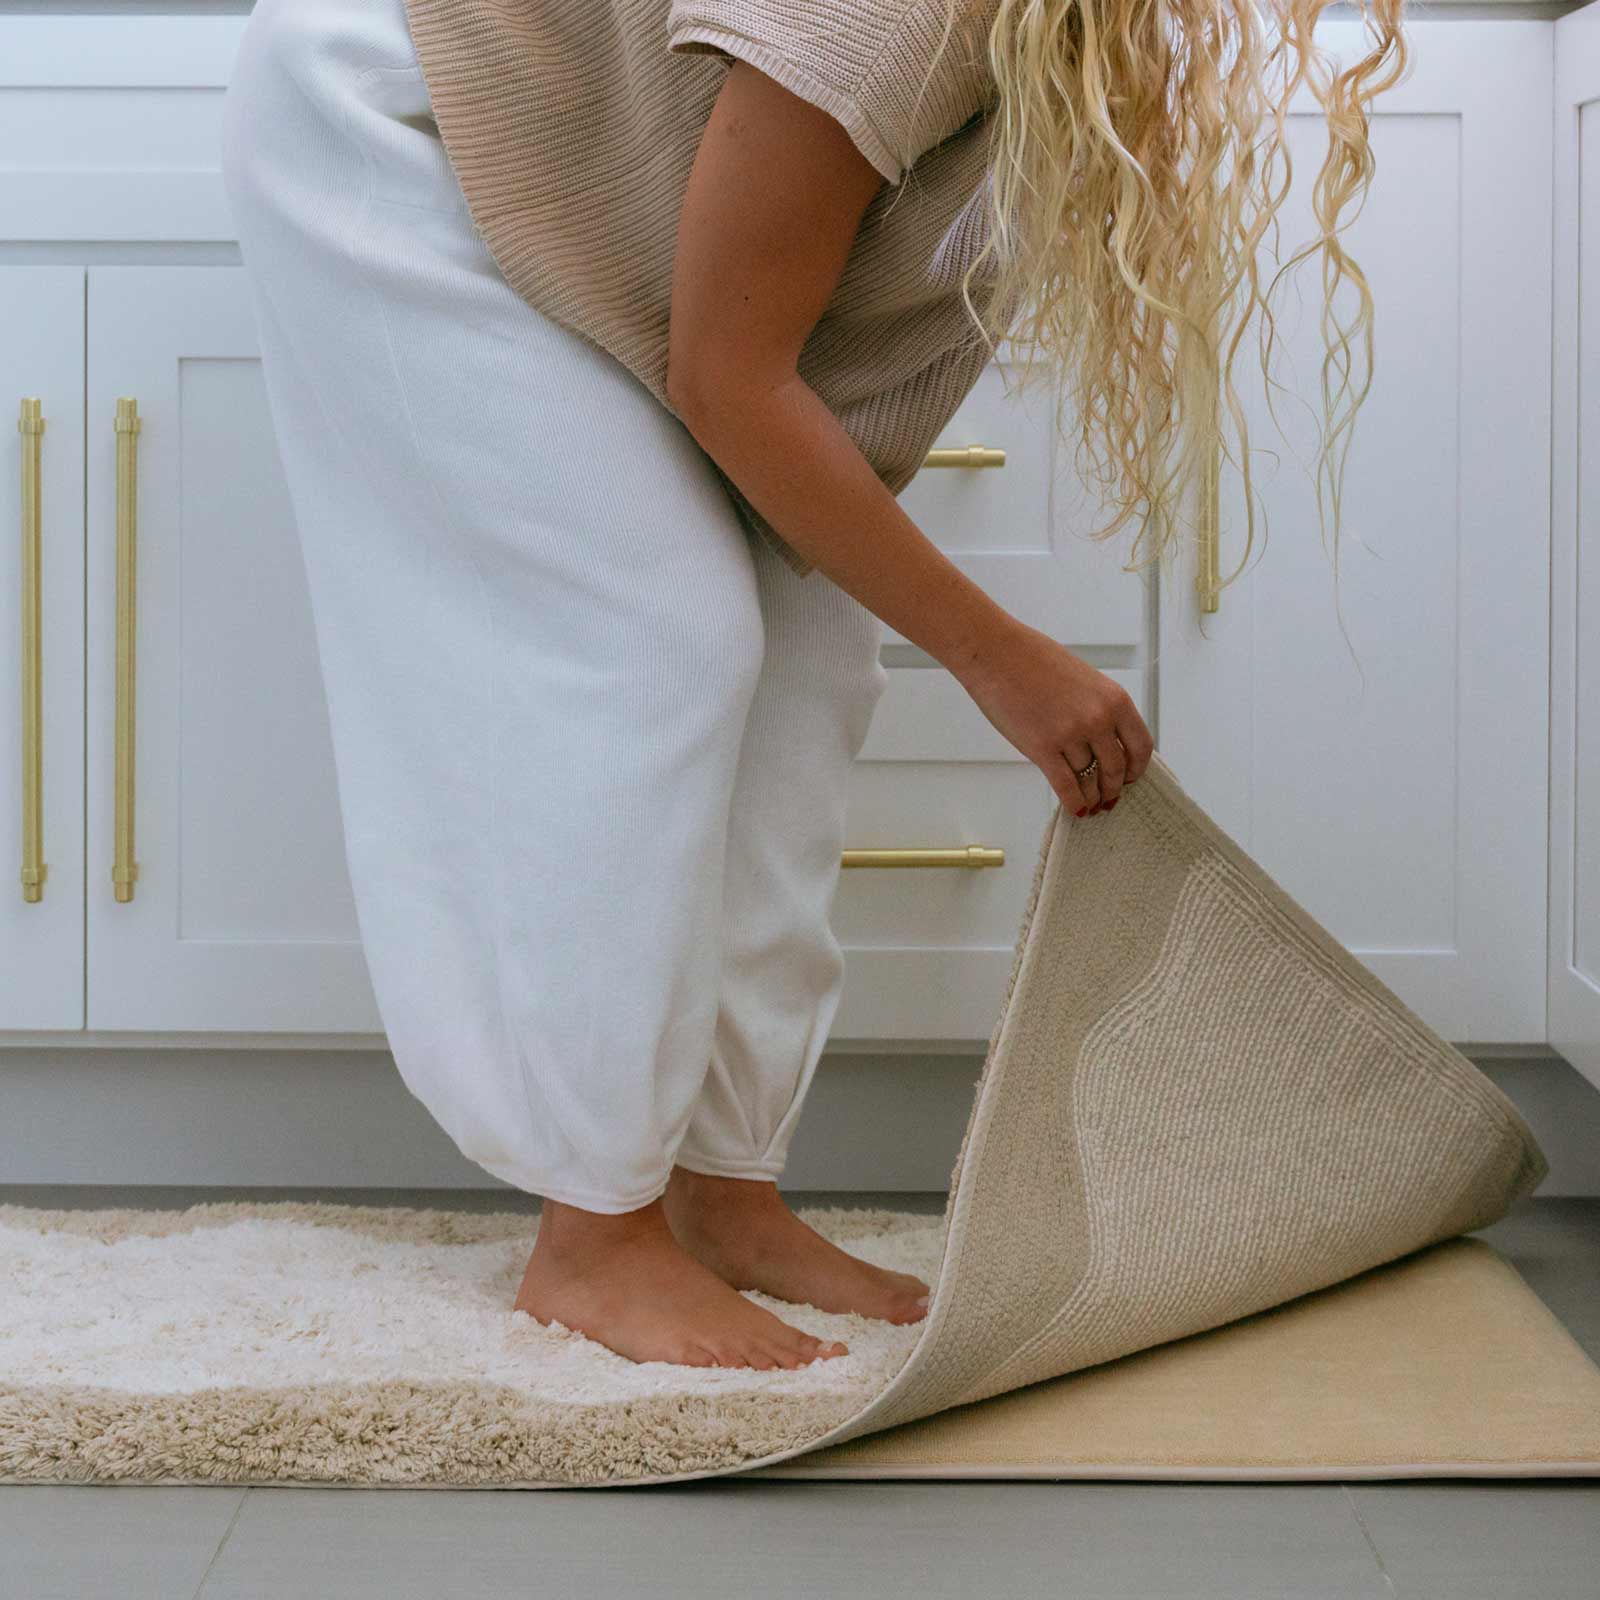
995 522
940 804
129 110
929 948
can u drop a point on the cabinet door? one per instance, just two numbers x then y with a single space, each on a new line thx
240 916
1575 553
41 645
1401 795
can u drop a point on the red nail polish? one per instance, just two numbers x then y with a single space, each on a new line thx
1112 806
1083 811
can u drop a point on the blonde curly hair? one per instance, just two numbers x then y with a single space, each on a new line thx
1138 160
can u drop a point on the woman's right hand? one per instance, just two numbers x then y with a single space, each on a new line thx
1060 713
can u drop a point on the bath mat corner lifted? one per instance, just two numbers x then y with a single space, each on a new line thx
1209 1220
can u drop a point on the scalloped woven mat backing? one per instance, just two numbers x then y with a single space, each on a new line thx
1196 1106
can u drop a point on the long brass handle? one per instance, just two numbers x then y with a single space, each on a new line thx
972 455
30 424
971 855
124 869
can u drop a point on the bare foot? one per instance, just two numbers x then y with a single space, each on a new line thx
745 1233
626 1283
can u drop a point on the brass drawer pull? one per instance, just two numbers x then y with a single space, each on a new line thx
124 869
972 455
30 424
971 855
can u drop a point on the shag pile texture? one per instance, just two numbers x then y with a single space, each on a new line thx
245 1342
1196 1104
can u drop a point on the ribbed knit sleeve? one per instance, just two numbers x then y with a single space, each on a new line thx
861 61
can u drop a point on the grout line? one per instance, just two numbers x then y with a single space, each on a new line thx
227 1533
1383 1571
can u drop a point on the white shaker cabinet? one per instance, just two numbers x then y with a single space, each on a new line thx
1413 822
1401 793
195 878
193 873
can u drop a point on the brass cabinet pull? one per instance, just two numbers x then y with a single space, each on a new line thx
124 869
970 855
972 455
30 424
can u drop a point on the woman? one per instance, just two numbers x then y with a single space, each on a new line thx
599 339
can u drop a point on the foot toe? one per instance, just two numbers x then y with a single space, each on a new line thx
911 1287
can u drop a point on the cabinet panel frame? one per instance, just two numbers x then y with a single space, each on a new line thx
1574 971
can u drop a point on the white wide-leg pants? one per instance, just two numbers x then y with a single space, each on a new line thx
592 737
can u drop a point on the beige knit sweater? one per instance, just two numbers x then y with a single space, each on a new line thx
571 126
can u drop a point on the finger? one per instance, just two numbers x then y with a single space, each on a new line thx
1136 743
1066 786
1078 755
1108 751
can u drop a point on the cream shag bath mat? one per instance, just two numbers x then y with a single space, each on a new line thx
1196 1106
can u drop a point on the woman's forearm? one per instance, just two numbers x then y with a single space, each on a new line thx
798 467
794 461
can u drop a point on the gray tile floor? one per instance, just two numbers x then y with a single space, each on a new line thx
1425 1539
